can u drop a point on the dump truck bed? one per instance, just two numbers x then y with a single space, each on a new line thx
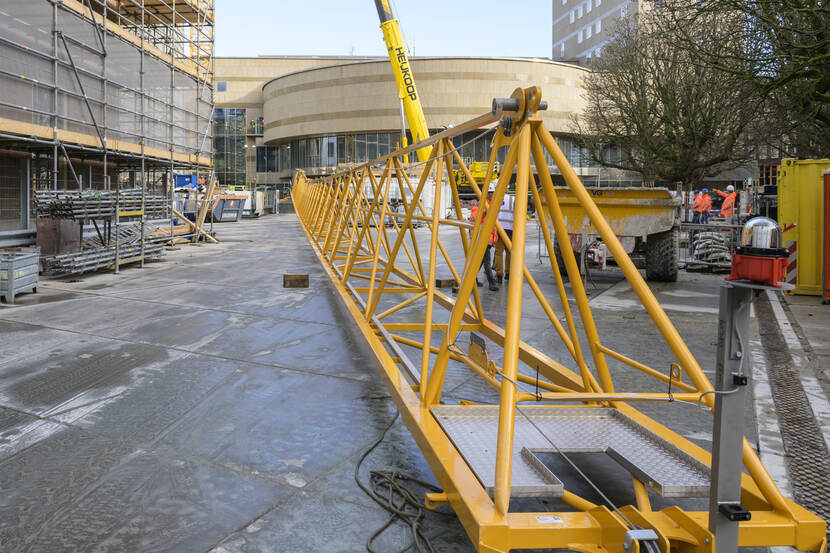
631 211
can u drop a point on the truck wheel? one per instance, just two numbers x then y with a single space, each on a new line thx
661 255
560 261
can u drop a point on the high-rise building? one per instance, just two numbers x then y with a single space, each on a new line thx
582 27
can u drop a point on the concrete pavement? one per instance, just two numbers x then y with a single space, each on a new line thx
196 405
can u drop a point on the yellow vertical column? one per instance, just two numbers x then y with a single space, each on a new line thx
430 280
507 403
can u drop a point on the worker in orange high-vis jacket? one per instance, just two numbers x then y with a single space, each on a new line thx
707 207
491 241
697 207
728 207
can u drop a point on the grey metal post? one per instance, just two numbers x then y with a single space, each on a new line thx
143 130
55 95
25 192
732 383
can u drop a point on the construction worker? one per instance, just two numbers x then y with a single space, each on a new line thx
485 262
728 207
502 261
707 207
697 207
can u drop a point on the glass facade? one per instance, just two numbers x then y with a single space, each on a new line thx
266 159
472 149
330 151
229 145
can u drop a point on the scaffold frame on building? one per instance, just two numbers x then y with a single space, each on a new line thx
106 95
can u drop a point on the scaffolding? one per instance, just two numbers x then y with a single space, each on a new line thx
104 95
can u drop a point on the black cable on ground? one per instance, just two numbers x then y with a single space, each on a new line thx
387 490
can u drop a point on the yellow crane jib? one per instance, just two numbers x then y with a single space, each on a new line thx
407 91
569 398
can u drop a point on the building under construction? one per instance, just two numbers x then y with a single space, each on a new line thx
101 95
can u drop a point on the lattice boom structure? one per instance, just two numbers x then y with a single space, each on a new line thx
482 455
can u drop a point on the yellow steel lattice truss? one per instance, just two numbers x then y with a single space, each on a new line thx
373 256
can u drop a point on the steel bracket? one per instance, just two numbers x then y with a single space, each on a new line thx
638 534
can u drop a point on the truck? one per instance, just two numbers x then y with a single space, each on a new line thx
478 170
646 220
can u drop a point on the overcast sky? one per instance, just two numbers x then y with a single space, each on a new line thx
514 28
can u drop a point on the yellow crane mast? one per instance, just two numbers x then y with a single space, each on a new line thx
407 91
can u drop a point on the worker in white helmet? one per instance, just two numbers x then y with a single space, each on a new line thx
502 260
727 209
485 262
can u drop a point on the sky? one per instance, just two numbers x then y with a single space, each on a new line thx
511 28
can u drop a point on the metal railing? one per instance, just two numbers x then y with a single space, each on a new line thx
708 246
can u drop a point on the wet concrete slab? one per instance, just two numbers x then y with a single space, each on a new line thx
279 425
77 491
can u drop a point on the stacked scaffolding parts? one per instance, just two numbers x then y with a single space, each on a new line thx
107 95
484 455
97 204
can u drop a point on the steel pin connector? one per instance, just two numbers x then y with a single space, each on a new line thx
501 105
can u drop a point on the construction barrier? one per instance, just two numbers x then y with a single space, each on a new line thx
800 214
826 294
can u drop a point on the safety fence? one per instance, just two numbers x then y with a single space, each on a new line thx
709 246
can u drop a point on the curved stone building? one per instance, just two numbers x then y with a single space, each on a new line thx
277 114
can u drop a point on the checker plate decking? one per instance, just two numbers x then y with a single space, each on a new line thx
658 464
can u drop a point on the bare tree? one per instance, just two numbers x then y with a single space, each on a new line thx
652 110
784 55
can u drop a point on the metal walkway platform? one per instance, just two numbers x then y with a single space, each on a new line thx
660 465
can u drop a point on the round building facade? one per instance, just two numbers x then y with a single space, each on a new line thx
317 118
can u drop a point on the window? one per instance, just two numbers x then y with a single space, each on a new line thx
348 153
572 16
588 6
341 149
597 3
229 145
562 49
383 144
564 2
261 159
221 86
596 52
588 32
360 147
371 146
331 151
579 11
598 25
579 37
